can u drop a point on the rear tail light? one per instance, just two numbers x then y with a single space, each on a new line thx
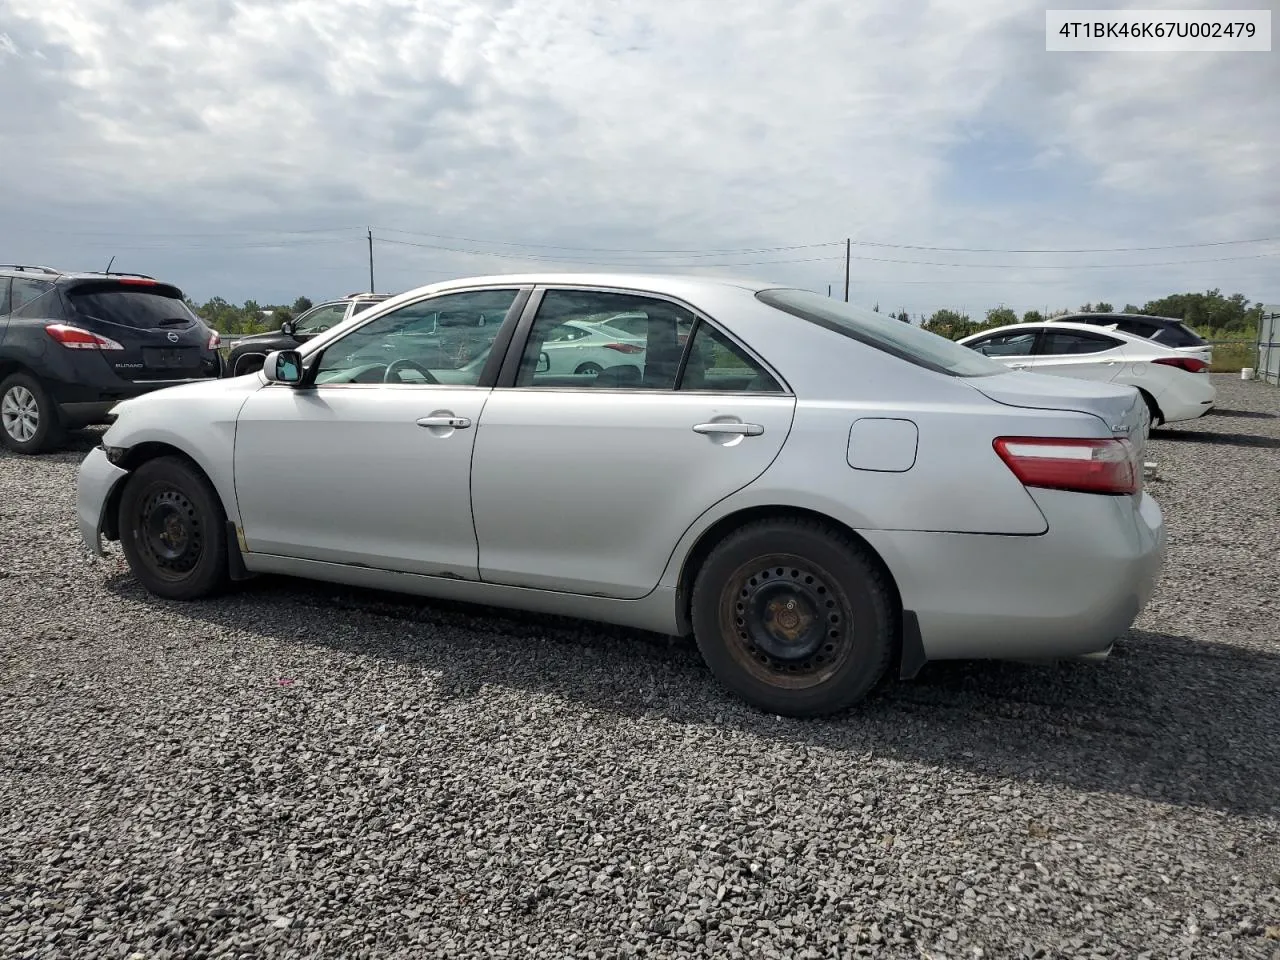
214 340
1079 465
1189 364
624 347
135 281
73 338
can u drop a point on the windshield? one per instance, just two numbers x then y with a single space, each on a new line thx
128 307
883 332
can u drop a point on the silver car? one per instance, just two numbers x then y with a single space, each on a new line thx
818 493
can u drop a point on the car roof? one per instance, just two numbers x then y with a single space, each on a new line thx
672 284
1068 317
1055 325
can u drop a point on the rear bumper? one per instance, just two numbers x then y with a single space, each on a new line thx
95 482
1069 592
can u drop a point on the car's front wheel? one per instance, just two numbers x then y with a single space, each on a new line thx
172 530
29 420
793 617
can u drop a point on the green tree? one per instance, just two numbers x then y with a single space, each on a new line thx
1209 310
1103 307
301 305
950 323
1033 316
1000 316
902 315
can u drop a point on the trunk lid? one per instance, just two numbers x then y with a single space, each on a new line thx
161 338
1120 407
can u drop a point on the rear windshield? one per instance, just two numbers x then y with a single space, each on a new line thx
1179 335
142 308
877 330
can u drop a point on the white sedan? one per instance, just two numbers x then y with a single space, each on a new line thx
1173 382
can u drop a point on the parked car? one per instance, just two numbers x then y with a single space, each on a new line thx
1173 382
246 353
818 493
72 345
587 348
1166 331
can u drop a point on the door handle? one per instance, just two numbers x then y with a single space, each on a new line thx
458 423
730 426
1017 366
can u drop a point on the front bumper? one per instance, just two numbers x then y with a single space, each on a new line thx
1069 592
95 483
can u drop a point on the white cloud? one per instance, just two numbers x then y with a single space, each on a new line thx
642 125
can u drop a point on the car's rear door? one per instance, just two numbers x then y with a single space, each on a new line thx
584 483
158 336
1085 355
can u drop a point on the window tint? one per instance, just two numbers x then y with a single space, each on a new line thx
26 293
717 363
642 353
4 296
881 331
1015 343
144 309
443 339
321 318
1179 335
1060 342
1137 328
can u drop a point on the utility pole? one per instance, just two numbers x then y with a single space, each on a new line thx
371 290
848 244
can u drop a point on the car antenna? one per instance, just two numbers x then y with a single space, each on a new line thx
109 263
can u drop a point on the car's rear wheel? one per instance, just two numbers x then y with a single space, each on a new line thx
172 530
793 617
589 367
1154 417
29 421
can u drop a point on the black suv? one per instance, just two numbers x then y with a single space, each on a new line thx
245 354
73 345
1164 330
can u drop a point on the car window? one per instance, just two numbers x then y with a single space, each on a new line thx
1062 342
718 364
4 296
881 331
362 305
565 333
141 307
25 293
321 318
1016 343
1137 328
444 339
1179 335
643 356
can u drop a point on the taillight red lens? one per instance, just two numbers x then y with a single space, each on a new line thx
135 281
73 338
624 347
1070 463
1190 364
214 341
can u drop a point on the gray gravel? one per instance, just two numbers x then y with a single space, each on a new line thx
303 770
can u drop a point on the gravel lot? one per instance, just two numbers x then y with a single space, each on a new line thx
303 770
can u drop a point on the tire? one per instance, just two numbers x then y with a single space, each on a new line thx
589 367
29 419
1153 411
820 655
167 500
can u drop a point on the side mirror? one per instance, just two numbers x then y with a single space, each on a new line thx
544 362
283 366
287 328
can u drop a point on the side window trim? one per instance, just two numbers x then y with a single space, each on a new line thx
506 378
313 352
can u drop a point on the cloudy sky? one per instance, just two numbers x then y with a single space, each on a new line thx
241 147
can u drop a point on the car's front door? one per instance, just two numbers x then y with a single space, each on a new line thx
1081 354
585 482
371 464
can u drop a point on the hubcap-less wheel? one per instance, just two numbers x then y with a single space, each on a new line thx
172 539
19 413
789 621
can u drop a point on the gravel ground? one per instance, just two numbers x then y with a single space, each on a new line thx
303 770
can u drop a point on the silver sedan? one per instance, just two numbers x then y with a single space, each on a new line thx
818 493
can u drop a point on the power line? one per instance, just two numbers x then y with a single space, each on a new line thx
703 252
1171 246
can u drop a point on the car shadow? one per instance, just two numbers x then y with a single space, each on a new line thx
1244 414
1218 439
1166 718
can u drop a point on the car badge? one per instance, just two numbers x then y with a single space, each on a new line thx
173 337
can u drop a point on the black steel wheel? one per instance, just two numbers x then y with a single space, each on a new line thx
172 530
793 617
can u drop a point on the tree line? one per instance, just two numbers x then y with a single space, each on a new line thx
1206 312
